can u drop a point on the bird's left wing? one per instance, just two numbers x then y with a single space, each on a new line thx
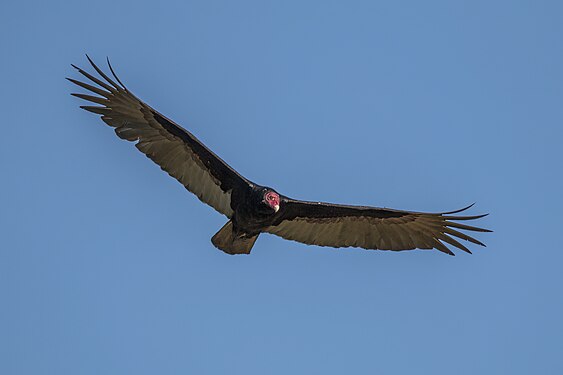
326 224
173 148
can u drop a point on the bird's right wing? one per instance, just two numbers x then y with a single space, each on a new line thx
333 225
173 148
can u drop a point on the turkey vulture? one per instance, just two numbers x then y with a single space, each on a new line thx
251 208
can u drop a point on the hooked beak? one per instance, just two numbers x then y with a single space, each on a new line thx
276 208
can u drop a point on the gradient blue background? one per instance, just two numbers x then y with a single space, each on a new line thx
106 265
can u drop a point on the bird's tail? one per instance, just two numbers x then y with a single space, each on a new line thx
231 242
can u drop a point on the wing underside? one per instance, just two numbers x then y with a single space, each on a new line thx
174 149
374 228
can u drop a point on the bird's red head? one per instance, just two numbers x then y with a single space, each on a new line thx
272 199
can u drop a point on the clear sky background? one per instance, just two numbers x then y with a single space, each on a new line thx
106 264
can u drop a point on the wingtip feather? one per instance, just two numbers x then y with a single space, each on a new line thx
443 248
89 59
472 217
91 98
115 75
455 243
96 109
459 210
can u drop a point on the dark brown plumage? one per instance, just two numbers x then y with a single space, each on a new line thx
253 209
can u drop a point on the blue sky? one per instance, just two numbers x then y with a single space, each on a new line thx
106 265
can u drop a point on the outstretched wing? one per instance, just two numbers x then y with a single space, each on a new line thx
324 224
166 143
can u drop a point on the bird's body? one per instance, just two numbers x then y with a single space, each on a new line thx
251 214
253 209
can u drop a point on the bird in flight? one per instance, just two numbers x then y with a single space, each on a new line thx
251 208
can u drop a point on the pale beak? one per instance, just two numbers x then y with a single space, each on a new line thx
276 208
